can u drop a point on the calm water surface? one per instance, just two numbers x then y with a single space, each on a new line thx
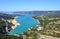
26 21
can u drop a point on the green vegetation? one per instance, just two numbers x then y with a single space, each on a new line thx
4 36
2 24
31 34
51 27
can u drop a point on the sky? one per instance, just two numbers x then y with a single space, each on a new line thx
29 5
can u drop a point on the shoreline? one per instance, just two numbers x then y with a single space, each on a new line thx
37 21
14 22
36 25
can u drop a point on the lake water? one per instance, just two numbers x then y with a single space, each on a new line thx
26 21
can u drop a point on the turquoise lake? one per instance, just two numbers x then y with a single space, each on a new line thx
26 21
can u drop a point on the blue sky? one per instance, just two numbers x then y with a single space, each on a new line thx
29 5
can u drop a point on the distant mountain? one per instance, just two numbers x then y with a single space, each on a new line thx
39 12
56 13
36 13
7 16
